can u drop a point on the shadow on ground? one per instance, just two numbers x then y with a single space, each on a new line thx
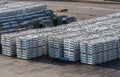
115 64
46 59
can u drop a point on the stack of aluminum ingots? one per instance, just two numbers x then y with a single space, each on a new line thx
7 37
10 39
9 45
99 50
71 49
118 35
27 47
98 27
55 43
31 46
72 46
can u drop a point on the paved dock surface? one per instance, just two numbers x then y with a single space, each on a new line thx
83 10
46 67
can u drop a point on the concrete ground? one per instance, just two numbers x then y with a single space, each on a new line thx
85 10
47 67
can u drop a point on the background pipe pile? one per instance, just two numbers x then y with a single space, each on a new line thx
28 21
14 16
16 8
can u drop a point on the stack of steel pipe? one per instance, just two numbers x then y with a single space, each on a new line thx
16 8
28 21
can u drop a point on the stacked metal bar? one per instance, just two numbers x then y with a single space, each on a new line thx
43 32
72 46
56 45
118 35
39 31
71 49
27 47
99 50
9 45
10 39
